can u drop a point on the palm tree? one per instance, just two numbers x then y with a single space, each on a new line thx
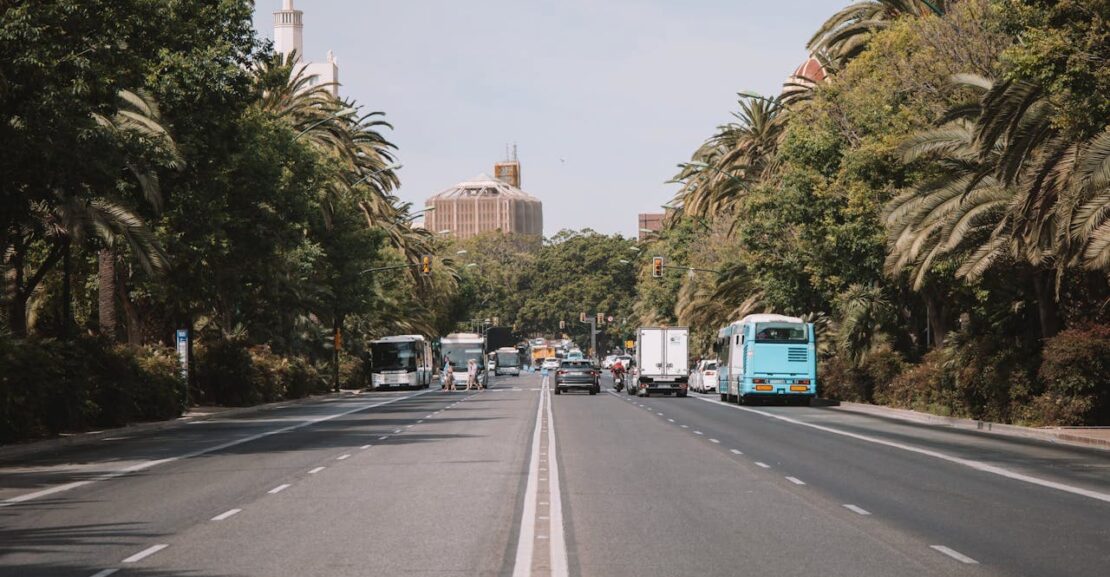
136 118
740 153
845 35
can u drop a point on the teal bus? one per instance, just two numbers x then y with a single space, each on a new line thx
767 357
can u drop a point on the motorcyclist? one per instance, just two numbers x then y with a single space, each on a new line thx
618 371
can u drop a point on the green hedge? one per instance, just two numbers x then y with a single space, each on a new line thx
228 372
49 386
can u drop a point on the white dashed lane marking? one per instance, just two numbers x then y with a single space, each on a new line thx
955 554
735 452
316 470
762 464
226 514
278 489
856 510
145 553
795 480
342 457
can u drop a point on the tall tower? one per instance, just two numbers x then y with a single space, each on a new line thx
509 170
288 28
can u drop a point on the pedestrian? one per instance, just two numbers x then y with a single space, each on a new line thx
546 374
448 374
472 374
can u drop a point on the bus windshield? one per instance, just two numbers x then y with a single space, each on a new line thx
393 356
460 353
508 359
780 332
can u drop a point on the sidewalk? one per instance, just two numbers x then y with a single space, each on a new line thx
18 450
1089 437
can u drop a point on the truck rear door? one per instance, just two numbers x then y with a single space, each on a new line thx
650 350
677 343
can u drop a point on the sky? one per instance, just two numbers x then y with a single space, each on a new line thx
602 98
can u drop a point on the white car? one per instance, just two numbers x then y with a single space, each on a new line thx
703 378
550 363
607 362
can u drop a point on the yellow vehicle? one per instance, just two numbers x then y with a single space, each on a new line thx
539 353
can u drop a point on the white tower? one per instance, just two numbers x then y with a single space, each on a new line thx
288 28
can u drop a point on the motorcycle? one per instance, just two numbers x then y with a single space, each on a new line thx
618 380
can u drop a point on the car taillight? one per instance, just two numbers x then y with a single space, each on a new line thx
560 372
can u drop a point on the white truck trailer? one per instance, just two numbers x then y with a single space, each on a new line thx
662 361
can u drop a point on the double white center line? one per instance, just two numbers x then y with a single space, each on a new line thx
541 545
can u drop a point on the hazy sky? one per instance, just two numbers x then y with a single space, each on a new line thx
603 98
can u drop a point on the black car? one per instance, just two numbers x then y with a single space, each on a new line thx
577 374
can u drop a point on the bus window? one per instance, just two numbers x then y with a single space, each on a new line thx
780 332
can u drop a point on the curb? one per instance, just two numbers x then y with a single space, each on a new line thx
1062 436
10 452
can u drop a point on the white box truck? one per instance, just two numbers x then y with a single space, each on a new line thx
662 362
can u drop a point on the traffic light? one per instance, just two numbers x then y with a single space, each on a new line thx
656 266
582 317
562 325
426 264
600 318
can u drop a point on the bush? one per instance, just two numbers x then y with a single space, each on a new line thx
924 386
49 386
229 373
224 374
1075 373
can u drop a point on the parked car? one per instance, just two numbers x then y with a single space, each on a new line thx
551 363
703 378
577 374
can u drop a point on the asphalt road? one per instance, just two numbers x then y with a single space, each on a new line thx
516 481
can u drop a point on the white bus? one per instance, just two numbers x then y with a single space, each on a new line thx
400 361
508 361
461 348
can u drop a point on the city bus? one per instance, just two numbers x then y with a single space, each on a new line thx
461 348
767 357
400 361
508 361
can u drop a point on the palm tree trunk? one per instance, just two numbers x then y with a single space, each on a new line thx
1048 310
106 292
938 323
67 288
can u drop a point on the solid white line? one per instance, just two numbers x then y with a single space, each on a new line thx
857 510
526 539
145 553
316 470
559 565
278 489
762 464
796 480
970 463
714 441
148 464
735 452
955 554
342 457
226 514
105 573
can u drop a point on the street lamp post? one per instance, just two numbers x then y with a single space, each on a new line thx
375 173
345 112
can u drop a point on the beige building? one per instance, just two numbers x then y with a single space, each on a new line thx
485 203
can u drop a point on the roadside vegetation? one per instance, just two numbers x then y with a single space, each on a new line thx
934 191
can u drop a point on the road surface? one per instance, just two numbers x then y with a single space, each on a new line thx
516 481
